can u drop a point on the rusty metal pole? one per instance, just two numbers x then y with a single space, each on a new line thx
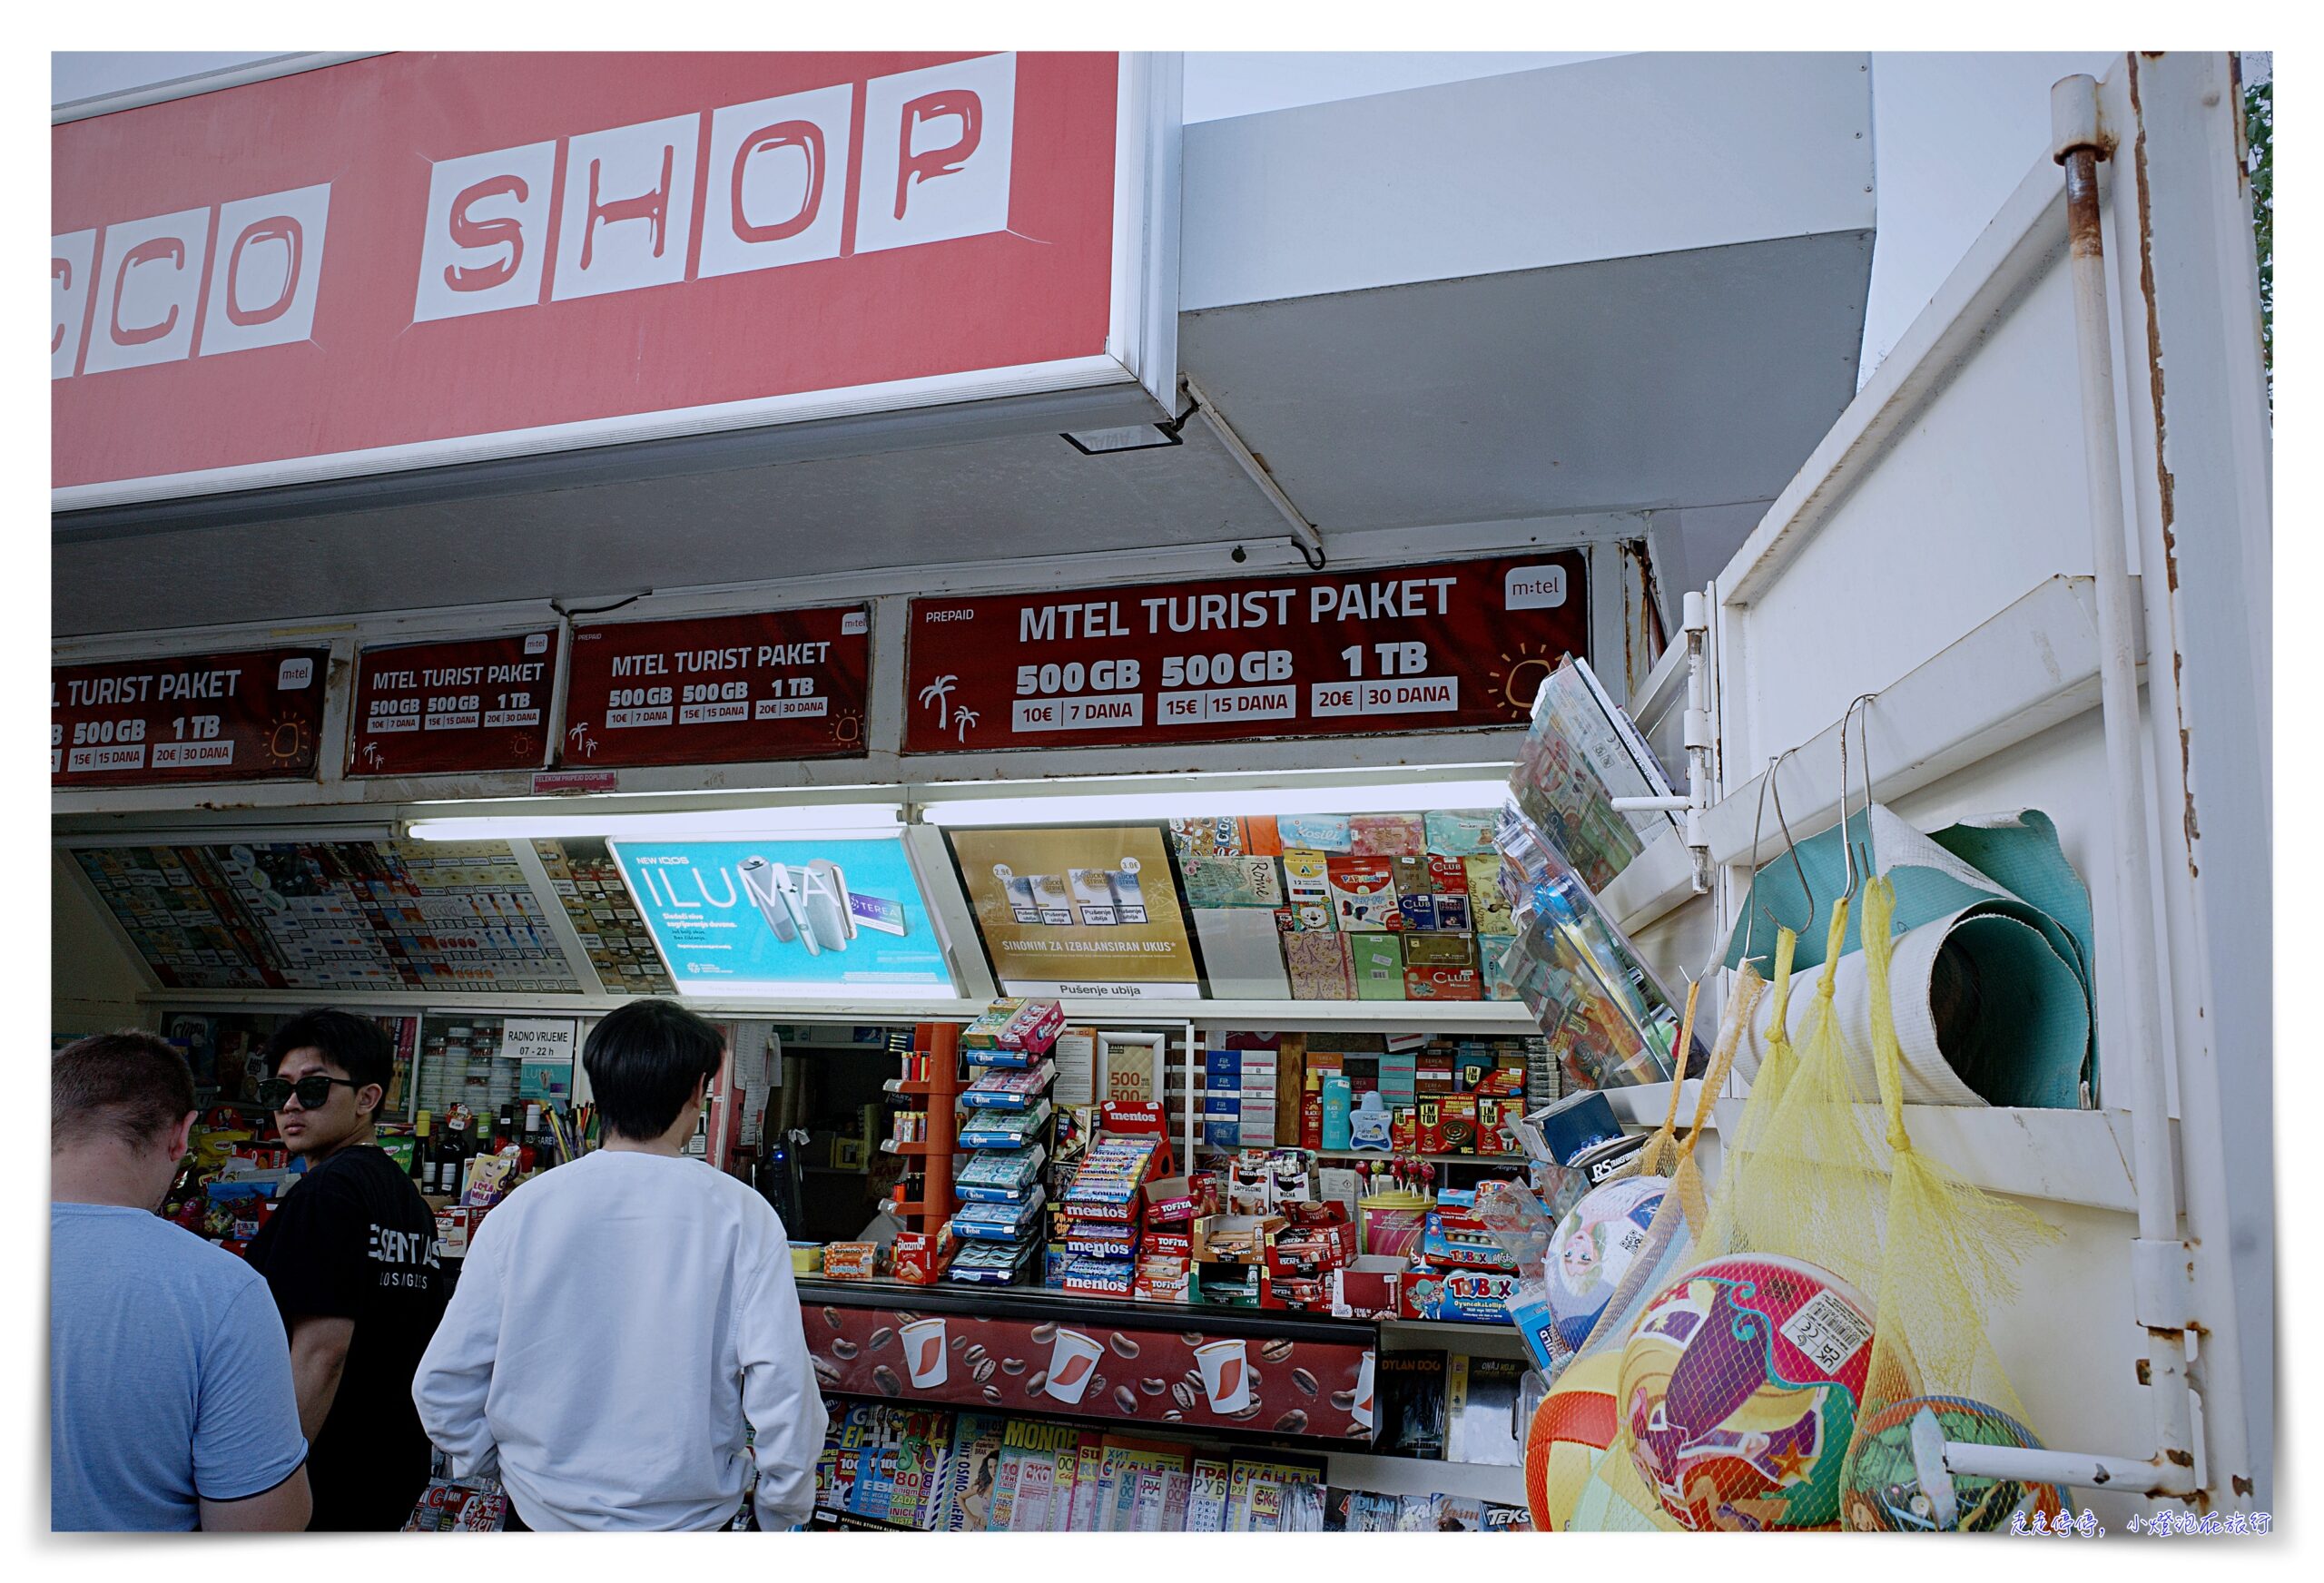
2162 1270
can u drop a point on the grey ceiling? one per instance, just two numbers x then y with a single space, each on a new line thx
1691 378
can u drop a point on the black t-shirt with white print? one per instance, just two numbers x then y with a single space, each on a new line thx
354 1240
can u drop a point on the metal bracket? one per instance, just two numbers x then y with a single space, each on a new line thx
2163 1283
1700 739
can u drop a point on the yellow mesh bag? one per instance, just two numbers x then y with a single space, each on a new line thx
1947 1262
1573 1479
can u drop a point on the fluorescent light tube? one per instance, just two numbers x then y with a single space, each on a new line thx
863 821
1135 807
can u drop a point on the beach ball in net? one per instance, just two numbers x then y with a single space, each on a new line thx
1739 1388
1896 1486
1571 1431
1593 1249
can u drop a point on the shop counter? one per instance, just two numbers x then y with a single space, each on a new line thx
1170 1367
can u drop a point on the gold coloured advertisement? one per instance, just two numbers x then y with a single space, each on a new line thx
1091 913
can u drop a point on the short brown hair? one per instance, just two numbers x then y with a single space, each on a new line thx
131 1086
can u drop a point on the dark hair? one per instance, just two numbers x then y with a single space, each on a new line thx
131 1086
355 1044
644 1061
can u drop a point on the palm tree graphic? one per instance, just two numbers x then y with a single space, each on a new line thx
964 718
938 692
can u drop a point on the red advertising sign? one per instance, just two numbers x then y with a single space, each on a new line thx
251 716
417 259
719 689
1452 646
1057 1368
472 704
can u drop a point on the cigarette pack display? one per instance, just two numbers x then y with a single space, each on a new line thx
1364 894
1319 967
1242 954
1376 964
1003 1090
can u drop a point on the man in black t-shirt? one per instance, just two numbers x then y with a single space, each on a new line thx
352 1258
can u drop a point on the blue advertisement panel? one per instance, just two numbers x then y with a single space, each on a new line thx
803 919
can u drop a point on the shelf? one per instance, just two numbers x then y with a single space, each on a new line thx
1419 1335
1033 1301
918 1150
1514 1159
898 1085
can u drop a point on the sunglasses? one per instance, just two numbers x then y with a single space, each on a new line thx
313 1090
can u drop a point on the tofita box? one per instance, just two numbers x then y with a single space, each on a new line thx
1235 1239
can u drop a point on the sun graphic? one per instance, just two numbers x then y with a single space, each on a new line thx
289 740
1522 675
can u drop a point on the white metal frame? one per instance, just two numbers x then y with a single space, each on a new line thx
2196 448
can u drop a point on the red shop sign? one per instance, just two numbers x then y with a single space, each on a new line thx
719 689
250 716
1452 646
1185 1378
419 258
472 704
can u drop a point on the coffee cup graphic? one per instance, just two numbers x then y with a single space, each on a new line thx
1071 1364
1361 1410
925 1355
1226 1374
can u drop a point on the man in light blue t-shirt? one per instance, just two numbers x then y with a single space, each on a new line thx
170 1403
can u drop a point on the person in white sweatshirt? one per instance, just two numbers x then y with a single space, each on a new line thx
621 1318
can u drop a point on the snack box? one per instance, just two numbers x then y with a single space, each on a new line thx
983 1031
1173 1281
920 1257
1229 1285
1006 1172
1308 1295
1457 1248
1166 1245
1235 1239
1034 1028
1460 1296
1101 1242
1099 1277
851 1260
988 1264
1371 1286
1002 1089
1169 1201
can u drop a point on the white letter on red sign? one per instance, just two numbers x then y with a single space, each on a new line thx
488 232
144 305
777 179
628 212
70 259
267 271
936 146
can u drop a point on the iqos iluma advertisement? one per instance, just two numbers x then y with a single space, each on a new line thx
799 918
